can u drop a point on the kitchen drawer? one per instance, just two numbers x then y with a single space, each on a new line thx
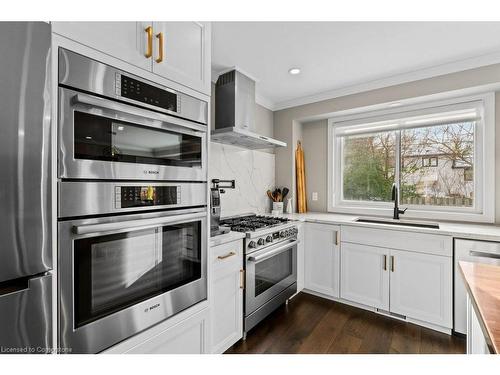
187 337
399 239
226 255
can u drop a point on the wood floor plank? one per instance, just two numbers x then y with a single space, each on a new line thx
311 324
326 330
301 327
405 338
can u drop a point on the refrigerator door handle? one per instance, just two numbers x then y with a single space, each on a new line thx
15 286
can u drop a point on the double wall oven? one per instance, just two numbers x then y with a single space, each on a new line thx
132 209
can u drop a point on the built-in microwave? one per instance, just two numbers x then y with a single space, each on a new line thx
113 125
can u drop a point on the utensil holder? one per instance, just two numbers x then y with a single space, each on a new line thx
278 207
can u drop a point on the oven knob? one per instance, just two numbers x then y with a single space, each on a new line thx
282 234
269 239
260 241
252 244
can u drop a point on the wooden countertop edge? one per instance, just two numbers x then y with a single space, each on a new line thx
495 349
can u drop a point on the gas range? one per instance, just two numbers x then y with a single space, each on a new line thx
270 263
262 231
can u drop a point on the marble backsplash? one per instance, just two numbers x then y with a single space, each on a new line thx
254 175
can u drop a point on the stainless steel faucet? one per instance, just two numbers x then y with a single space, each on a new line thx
395 198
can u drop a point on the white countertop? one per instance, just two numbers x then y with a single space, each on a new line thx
225 238
489 232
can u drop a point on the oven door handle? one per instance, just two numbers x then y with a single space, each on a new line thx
136 224
273 252
96 102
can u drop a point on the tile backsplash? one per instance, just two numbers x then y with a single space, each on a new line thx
254 175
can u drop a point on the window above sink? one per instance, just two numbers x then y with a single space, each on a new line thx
437 154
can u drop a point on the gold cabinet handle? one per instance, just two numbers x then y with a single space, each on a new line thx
149 51
160 47
337 237
392 263
230 254
385 262
242 279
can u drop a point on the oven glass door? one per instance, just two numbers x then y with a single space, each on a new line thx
115 271
106 139
269 272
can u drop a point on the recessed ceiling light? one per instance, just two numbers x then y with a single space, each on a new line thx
294 71
120 128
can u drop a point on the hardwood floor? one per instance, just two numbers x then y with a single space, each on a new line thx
311 324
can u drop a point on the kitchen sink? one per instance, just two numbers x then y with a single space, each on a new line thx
402 222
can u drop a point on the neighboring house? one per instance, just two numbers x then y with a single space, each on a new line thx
438 178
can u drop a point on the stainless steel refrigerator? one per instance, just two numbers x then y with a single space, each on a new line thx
25 198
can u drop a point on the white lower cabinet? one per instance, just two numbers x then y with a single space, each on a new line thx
322 258
187 337
226 315
421 287
365 275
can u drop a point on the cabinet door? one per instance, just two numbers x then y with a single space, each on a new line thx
421 287
322 258
365 275
126 41
227 296
186 53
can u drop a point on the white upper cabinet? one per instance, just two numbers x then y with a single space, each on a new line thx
177 51
365 275
421 287
182 53
127 41
322 258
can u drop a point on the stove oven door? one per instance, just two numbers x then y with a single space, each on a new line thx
268 272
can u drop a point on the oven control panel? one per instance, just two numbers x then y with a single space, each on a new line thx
143 196
139 91
271 238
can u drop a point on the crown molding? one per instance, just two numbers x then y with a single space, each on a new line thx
438 70
443 69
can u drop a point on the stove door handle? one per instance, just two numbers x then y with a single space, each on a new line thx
273 252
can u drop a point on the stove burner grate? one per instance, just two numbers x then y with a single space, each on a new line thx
252 223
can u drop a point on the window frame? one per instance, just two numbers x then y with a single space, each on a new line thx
484 160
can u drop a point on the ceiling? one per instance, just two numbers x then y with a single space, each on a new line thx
342 57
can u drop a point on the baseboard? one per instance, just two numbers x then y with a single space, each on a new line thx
434 327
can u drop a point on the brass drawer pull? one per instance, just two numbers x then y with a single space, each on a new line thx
337 237
230 254
392 263
385 262
149 51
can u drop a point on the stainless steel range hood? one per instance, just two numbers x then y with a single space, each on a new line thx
235 113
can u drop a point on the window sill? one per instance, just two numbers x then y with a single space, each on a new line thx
434 215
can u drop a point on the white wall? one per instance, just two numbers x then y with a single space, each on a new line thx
254 175
315 144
